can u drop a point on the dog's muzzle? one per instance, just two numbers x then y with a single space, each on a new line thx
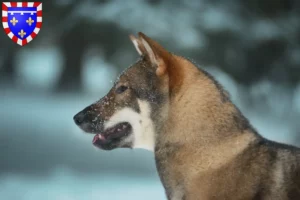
88 121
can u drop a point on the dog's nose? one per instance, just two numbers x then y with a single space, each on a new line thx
79 118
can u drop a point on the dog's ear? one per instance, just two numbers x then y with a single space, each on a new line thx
156 54
137 44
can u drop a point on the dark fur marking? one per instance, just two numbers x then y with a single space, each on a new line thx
242 122
151 92
259 194
225 97
136 107
275 145
294 192
162 154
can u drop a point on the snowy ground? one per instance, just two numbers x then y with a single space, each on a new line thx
66 185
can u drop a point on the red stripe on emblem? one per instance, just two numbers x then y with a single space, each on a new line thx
4 19
24 42
33 34
24 4
39 13
39 24
15 39
13 4
4 7
36 4
7 31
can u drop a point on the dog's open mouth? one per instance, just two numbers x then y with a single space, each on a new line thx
113 133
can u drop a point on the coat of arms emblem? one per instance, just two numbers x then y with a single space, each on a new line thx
22 21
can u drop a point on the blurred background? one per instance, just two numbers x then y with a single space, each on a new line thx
252 47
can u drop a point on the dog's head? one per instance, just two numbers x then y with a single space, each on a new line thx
135 107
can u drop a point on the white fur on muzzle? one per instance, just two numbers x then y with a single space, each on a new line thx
143 134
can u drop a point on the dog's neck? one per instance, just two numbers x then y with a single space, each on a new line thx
199 114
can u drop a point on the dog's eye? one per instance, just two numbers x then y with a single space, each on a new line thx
121 89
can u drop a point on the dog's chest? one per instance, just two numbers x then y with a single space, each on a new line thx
170 177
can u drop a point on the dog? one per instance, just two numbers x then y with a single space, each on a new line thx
204 147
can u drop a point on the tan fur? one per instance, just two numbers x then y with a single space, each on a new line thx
199 147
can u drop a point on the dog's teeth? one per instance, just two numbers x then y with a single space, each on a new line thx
100 136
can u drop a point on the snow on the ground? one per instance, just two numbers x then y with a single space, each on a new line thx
63 184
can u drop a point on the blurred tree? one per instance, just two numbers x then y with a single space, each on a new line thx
266 8
73 45
242 53
75 41
9 60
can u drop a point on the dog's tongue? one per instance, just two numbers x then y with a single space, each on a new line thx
98 137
